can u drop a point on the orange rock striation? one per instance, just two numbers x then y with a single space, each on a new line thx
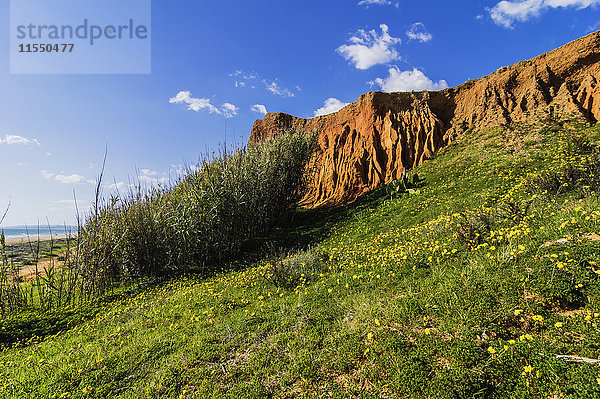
373 140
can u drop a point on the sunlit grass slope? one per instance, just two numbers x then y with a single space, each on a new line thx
470 288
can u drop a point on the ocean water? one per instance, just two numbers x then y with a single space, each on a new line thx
44 231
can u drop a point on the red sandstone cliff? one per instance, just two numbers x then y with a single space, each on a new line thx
371 141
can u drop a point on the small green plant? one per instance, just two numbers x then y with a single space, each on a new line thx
404 184
474 227
296 269
514 210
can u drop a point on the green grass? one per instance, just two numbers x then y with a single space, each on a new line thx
24 253
387 297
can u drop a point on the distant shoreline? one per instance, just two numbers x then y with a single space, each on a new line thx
21 240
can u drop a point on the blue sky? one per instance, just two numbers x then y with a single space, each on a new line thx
217 65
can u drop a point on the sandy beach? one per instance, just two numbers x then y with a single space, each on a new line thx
21 240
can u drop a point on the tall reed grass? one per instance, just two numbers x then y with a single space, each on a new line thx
194 223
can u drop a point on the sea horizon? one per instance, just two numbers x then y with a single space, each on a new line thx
23 231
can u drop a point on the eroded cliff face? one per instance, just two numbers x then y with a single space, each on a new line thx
373 140
367 144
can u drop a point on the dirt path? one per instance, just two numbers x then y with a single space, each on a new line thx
27 273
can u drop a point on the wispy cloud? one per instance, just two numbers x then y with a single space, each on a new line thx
374 2
274 88
178 170
417 31
66 179
152 177
254 79
118 186
331 105
398 80
366 49
244 79
144 178
73 179
197 104
11 139
46 174
506 13
229 110
194 104
259 108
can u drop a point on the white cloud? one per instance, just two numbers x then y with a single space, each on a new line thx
417 31
506 13
243 79
178 170
148 172
374 2
369 48
152 177
46 174
251 79
196 104
407 81
274 88
331 105
72 179
145 177
66 179
229 110
259 108
192 168
10 139
119 186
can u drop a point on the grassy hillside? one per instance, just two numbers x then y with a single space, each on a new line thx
469 288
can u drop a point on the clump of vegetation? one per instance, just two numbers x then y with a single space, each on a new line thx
203 219
474 227
577 168
295 270
12 296
404 184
